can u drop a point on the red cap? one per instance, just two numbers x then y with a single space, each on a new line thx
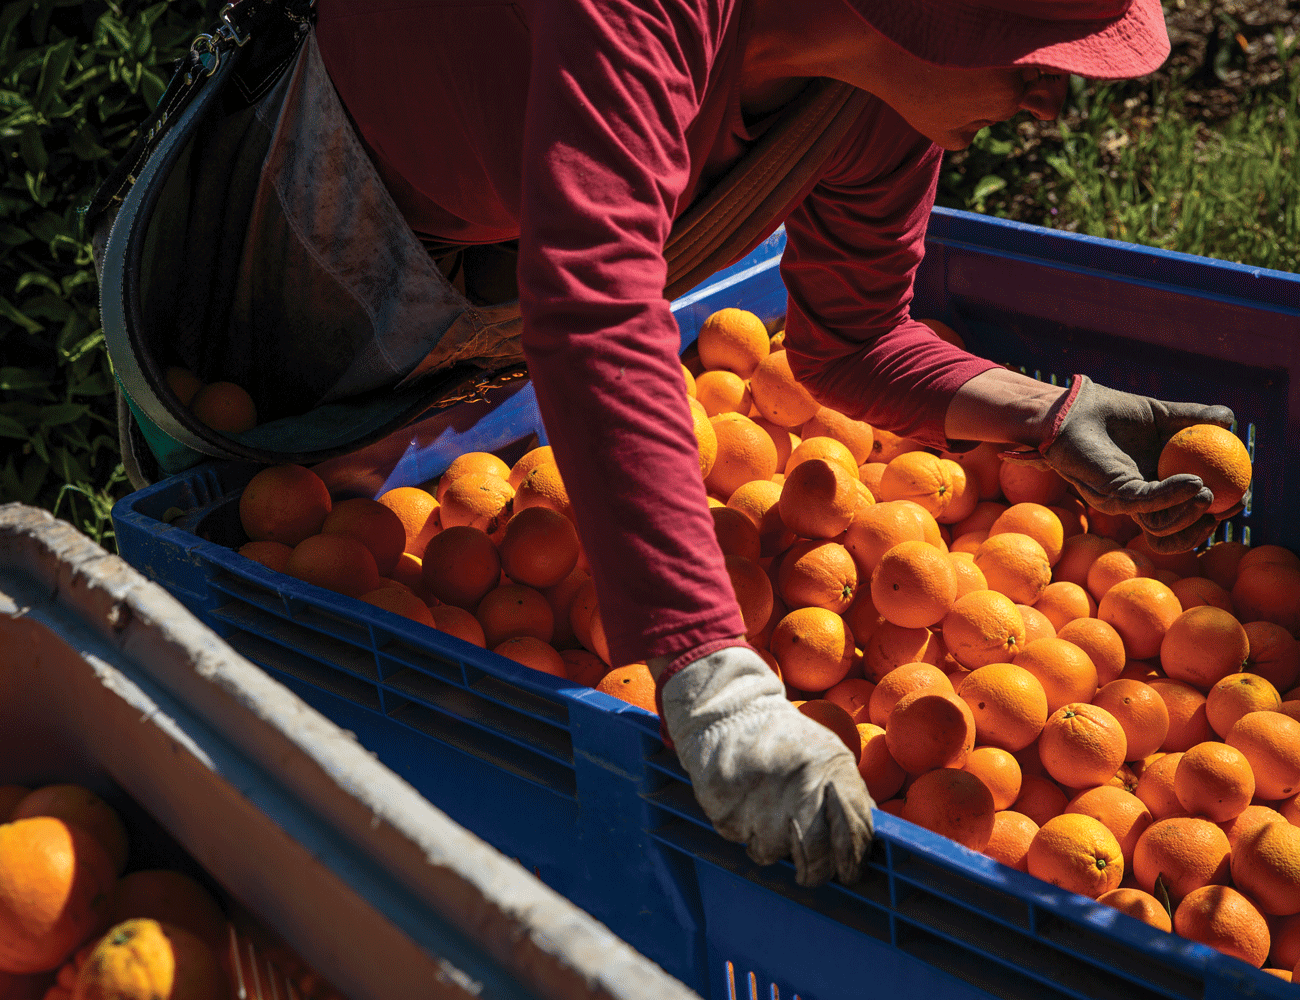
1102 39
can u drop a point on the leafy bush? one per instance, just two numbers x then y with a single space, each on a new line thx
75 78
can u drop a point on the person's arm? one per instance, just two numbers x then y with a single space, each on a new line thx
613 87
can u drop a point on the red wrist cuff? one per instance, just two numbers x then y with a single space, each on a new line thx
1062 410
683 661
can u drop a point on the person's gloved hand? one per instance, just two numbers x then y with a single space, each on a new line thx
1107 444
766 775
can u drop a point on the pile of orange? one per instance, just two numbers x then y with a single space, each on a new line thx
1015 670
73 924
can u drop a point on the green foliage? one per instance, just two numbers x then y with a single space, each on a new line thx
1131 165
75 79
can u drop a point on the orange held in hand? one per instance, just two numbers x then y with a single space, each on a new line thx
1216 455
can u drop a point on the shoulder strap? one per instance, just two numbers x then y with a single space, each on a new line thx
761 188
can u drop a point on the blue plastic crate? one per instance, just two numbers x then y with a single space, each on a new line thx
578 786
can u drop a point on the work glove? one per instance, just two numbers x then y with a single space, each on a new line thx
1107 444
766 775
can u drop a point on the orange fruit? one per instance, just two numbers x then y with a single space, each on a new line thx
689 381
913 585
1064 670
1271 742
930 729
225 407
146 958
1274 654
924 479
1188 722
633 684
733 340
1008 704
539 547
1119 811
1220 560
1013 832
813 647
1180 563
56 881
753 592
983 627
10 796
1194 591
1141 712
1266 866
183 383
736 533
528 462
1224 919
1202 646
82 808
1237 694
828 449
879 528
706 440
856 435
745 453
1040 798
1037 625
853 694
837 720
1073 516
969 577
283 503
879 770
999 770
967 544
818 499
981 465
478 462
171 898
1101 642
458 622
980 519
1186 852
1063 602
1285 933
1016 565
778 395
583 667
887 446
1036 521
964 494
722 392
1023 483
952 803
532 652
818 573
1213 453
1078 553
1116 566
1119 527
1268 592
1247 822
1267 555
512 610
371 523
1077 853
759 501
418 512
273 555
481 500
1214 780
901 681
400 601
340 563
1142 610
1082 745
782 440
461 564
890 646
543 486
1140 905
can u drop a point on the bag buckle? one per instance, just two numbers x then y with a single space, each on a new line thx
229 30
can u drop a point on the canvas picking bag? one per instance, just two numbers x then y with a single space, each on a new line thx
248 238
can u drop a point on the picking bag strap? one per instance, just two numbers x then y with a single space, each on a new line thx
762 187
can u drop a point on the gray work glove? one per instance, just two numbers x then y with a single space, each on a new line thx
766 775
1107 444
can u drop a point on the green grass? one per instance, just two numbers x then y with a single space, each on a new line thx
1129 164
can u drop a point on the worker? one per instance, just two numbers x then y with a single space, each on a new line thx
575 132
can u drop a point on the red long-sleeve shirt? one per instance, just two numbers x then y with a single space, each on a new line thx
583 128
